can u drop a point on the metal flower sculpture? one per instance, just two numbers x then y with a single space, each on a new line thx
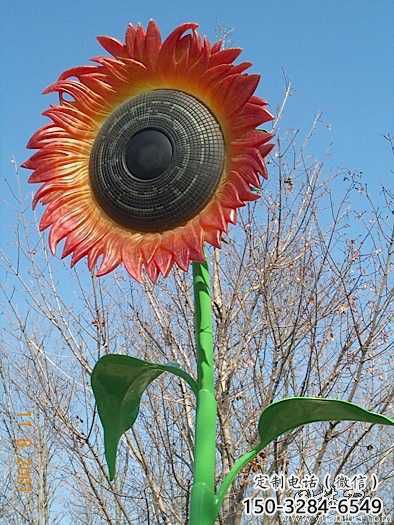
148 156
153 154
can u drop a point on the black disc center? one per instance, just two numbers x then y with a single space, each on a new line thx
148 154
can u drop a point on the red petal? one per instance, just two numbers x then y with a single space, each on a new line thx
110 262
182 51
229 215
57 169
48 217
44 157
152 271
63 227
134 67
57 207
28 164
243 187
76 241
70 115
250 175
149 247
44 136
175 244
152 43
71 175
81 93
163 260
250 117
98 86
63 145
240 91
132 260
196 46
213 217
250 139
222 87
247 160
139 44
213 74
112 256
94 254
264 172
233 218
167 52
182 259
200 65
77 71
193 238
49 153
120 67
50 187
265 149
130 39
93 243
217 46
112 45
67 122
213 236
240 68
259 101
224 57
230 197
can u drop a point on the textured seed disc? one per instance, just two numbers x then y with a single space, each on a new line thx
157 160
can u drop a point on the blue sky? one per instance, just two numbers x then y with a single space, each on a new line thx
338 54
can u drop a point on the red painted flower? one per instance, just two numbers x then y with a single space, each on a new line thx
150 151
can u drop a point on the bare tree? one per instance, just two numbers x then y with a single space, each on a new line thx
302 299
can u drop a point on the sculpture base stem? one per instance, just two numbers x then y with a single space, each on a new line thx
202 503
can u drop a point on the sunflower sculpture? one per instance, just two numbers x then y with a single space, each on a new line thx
150 151
149 155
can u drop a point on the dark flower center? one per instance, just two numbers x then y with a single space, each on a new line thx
157 161
148 153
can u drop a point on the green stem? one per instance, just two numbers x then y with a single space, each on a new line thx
203 501
232 474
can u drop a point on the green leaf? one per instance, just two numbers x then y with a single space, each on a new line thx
118 382
288 414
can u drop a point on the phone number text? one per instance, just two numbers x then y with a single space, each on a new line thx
312 506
